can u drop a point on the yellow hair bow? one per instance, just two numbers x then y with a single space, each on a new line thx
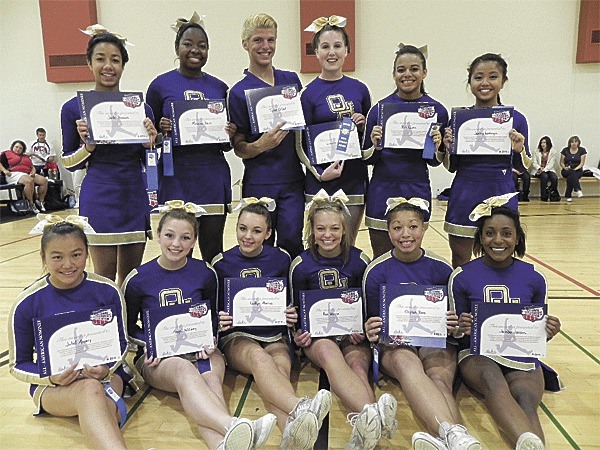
318 24
94 30
48 220
420 203
422 49
267 202
196 18
322 196
188 207
485 209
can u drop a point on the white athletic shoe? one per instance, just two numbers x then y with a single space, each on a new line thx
262 429
579 193
569 199
529 441
366 430
239 435
320 405
42 208
457 437
425 441
301 429
34 208
387 406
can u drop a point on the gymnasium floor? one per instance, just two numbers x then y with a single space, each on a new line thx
563 241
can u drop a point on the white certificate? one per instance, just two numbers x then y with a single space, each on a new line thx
256 301
331 312
199 122
270 106
482 131
406 125
322 143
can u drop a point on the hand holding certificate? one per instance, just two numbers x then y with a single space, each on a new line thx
406 125
482 131
332 141
76 338
331 312
178 329
270 106
256 301
509 330
199 122
114 117
413 315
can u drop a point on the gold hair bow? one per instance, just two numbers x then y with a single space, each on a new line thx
318 24
196 18
48 220
267 202
339 197
420 203
485 209
188 207
94 30
423 49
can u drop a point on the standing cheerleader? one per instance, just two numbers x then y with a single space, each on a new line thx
512 387
263 352
425 374
175 278
399 172
69 288
330 262
479 177
271 165
113 195
328 98
200 172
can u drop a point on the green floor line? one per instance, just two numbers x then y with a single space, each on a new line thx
580 347
137 404
557 424
240 405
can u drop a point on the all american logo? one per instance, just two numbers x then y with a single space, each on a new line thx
350 297
101 317
198 310
501 116
399 340
289 92
275 286
132 100
532 313
153 198
434 295
426 112
215 107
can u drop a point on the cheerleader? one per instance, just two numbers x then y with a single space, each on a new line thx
328 98
479 177
511 387
201 173
425 374
67 287
175 278
271 165
330 262
263 352
113 194
400 172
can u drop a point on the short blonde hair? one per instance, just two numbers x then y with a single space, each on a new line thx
257 21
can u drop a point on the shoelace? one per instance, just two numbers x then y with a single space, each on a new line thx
352 417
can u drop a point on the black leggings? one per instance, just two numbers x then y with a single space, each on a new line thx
573 183
546 177
210 236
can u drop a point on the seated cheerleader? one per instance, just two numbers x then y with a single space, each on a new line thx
330 262
175 278
511 387
425 374
263 352
67 287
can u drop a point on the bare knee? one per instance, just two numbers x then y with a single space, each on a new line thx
90 390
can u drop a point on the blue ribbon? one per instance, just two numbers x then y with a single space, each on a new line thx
118 401
429 147
376 365
151 169
167 157
345 129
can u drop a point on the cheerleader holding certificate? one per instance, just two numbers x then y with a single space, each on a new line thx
91 393
426 375
331 97
113 195
401 170
330 262
172 279
481 176
511 387
263 352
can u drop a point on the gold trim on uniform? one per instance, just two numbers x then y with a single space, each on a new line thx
131 237
353 200
223 340
76 158
216 209
460 230
505 362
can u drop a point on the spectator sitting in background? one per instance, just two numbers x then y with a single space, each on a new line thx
519 171
18 168
544 164
572 160
42 156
